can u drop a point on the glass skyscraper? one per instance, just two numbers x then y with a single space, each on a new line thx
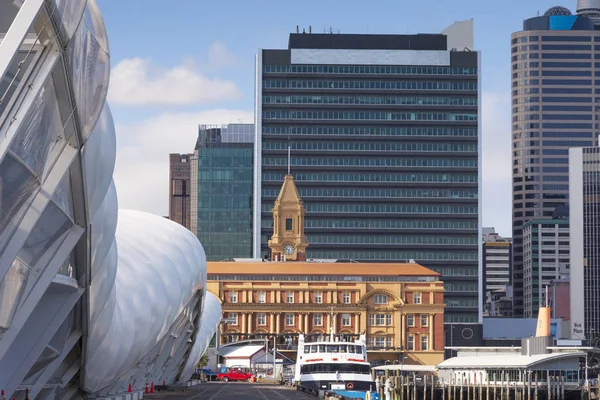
383 132
554 99
221 204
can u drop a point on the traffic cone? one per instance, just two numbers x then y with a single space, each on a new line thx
147 389
129 388
3 396
152 388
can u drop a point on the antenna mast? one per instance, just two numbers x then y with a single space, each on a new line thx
289 158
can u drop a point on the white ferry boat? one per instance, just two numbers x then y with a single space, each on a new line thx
332 364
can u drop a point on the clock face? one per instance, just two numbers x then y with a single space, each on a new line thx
288 249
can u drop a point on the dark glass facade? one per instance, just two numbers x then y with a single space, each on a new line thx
554 100
224 205
385 157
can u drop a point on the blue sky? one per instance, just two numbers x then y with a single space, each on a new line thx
185 62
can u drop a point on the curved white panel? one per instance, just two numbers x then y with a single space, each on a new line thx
211 317
160 266
99 155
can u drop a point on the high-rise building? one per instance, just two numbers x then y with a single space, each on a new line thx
545 259
553 92
179 189
221 187
584 204
497 260
383 132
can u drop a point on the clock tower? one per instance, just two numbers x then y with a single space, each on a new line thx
288 238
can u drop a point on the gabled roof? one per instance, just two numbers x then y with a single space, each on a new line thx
240 351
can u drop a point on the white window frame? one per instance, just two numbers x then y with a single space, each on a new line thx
424 320
263 317
318 317
417 298
389 341
380 319
346 320
262 296
346 298
410 320
425 342
380 341
233 296
381 299
389 320
410 343
233 316
288 317
318 297
289 297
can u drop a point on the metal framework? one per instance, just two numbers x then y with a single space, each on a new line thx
75 320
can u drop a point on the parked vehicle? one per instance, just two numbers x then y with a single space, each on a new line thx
234 374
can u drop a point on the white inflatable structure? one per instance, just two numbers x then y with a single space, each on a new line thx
93 300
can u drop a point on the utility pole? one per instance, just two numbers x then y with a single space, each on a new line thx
274 356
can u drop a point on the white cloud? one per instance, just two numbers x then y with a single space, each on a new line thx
136 81
497 173
219 56
142 168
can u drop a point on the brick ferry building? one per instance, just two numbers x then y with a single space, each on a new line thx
398 306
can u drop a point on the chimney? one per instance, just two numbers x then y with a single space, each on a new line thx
297 29
310 29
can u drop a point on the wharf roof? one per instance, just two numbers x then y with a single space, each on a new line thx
504 361
318 268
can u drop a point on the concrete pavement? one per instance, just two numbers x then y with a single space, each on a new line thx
232 391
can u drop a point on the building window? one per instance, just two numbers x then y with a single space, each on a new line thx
288 224
424 320
318 320
261 319
289 319
379 341
389 341
318 297
233 298
346 298
289 297
424 342
417 298
388 319
410 320
371 341
379 319
381 299
262 297
346 319
233 318
410 345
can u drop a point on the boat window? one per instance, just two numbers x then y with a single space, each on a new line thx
306 349
343 348
321 348
333 348
313 349
351 348
335 367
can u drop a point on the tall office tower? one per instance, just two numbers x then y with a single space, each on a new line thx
553 98
221 200
384 139
584 193
545 259
179 189
497 260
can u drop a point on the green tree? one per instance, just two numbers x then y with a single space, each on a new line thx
203 361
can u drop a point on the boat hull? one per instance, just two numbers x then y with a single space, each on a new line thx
316 385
